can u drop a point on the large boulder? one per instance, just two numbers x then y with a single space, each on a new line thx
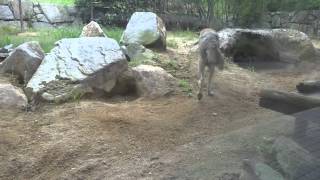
147 29
23 60
27 9
5 13
296 162
77 66
258 171
12 97
153 82
272 45
92 30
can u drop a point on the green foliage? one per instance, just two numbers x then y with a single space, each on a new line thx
172 43
185 86
187 35
48 36
57 2
292 5
113 32
244 13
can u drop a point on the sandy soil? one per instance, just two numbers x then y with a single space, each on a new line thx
140 139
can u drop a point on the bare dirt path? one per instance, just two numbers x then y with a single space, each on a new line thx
118 139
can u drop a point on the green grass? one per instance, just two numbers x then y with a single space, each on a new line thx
57 2
185 86
113 32
187 35
47 37
172 43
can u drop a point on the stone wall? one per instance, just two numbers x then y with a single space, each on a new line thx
305 21
37 14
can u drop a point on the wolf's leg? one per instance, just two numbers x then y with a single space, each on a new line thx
211 73
201 72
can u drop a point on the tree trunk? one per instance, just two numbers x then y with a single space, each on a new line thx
21 16
309 87
91 10
287 103
210 14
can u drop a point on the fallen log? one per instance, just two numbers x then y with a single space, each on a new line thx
286 102
309 87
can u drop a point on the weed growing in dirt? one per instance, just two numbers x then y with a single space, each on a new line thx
185 86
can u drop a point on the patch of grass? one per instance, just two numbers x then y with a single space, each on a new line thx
187 35
185 86
172 43
57 2
48 36
113 32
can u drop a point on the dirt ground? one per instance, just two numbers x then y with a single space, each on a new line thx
140 139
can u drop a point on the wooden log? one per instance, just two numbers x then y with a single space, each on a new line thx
309 87
287 103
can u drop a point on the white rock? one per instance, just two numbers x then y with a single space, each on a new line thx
5 13
145 28
152 81
78 64
92 30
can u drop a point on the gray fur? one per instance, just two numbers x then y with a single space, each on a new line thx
210 57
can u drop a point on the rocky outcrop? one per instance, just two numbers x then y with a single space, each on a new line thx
5 13
37 14
92 30
147 29
306 21
258 171
77 66
271 45
26 6
295 162
12 97
56 14
23 61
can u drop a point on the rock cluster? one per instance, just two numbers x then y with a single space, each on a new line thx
37 14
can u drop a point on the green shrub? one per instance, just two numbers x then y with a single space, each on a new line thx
57 2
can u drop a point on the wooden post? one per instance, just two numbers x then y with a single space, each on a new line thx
91 14
21 16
